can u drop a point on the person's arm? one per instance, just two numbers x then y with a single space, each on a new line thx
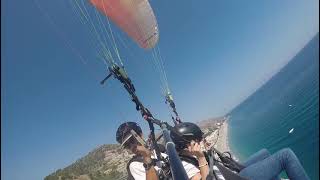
203 166
204 170
151 173
194 149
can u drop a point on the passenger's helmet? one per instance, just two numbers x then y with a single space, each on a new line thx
124 130
186 132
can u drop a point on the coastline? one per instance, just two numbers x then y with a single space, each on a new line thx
222 143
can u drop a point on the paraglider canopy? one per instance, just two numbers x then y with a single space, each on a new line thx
135 17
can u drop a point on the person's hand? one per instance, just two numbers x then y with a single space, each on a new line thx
144 152
195 149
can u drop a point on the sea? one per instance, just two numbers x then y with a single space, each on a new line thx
284 112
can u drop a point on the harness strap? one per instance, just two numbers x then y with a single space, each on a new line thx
133 159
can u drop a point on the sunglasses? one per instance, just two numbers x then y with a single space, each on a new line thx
132 140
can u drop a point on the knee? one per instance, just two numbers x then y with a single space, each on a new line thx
287 152
264 151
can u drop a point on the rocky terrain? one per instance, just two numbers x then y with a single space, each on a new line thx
105 162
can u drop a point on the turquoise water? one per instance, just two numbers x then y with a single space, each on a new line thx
289 100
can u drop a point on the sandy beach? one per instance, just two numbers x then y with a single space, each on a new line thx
217 136
222 143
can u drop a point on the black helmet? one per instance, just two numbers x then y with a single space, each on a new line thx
188 131
124 130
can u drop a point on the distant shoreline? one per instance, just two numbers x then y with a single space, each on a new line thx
223 140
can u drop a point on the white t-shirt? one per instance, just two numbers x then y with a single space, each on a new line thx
193 170
139 173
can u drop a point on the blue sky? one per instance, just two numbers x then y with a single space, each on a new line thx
216 53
